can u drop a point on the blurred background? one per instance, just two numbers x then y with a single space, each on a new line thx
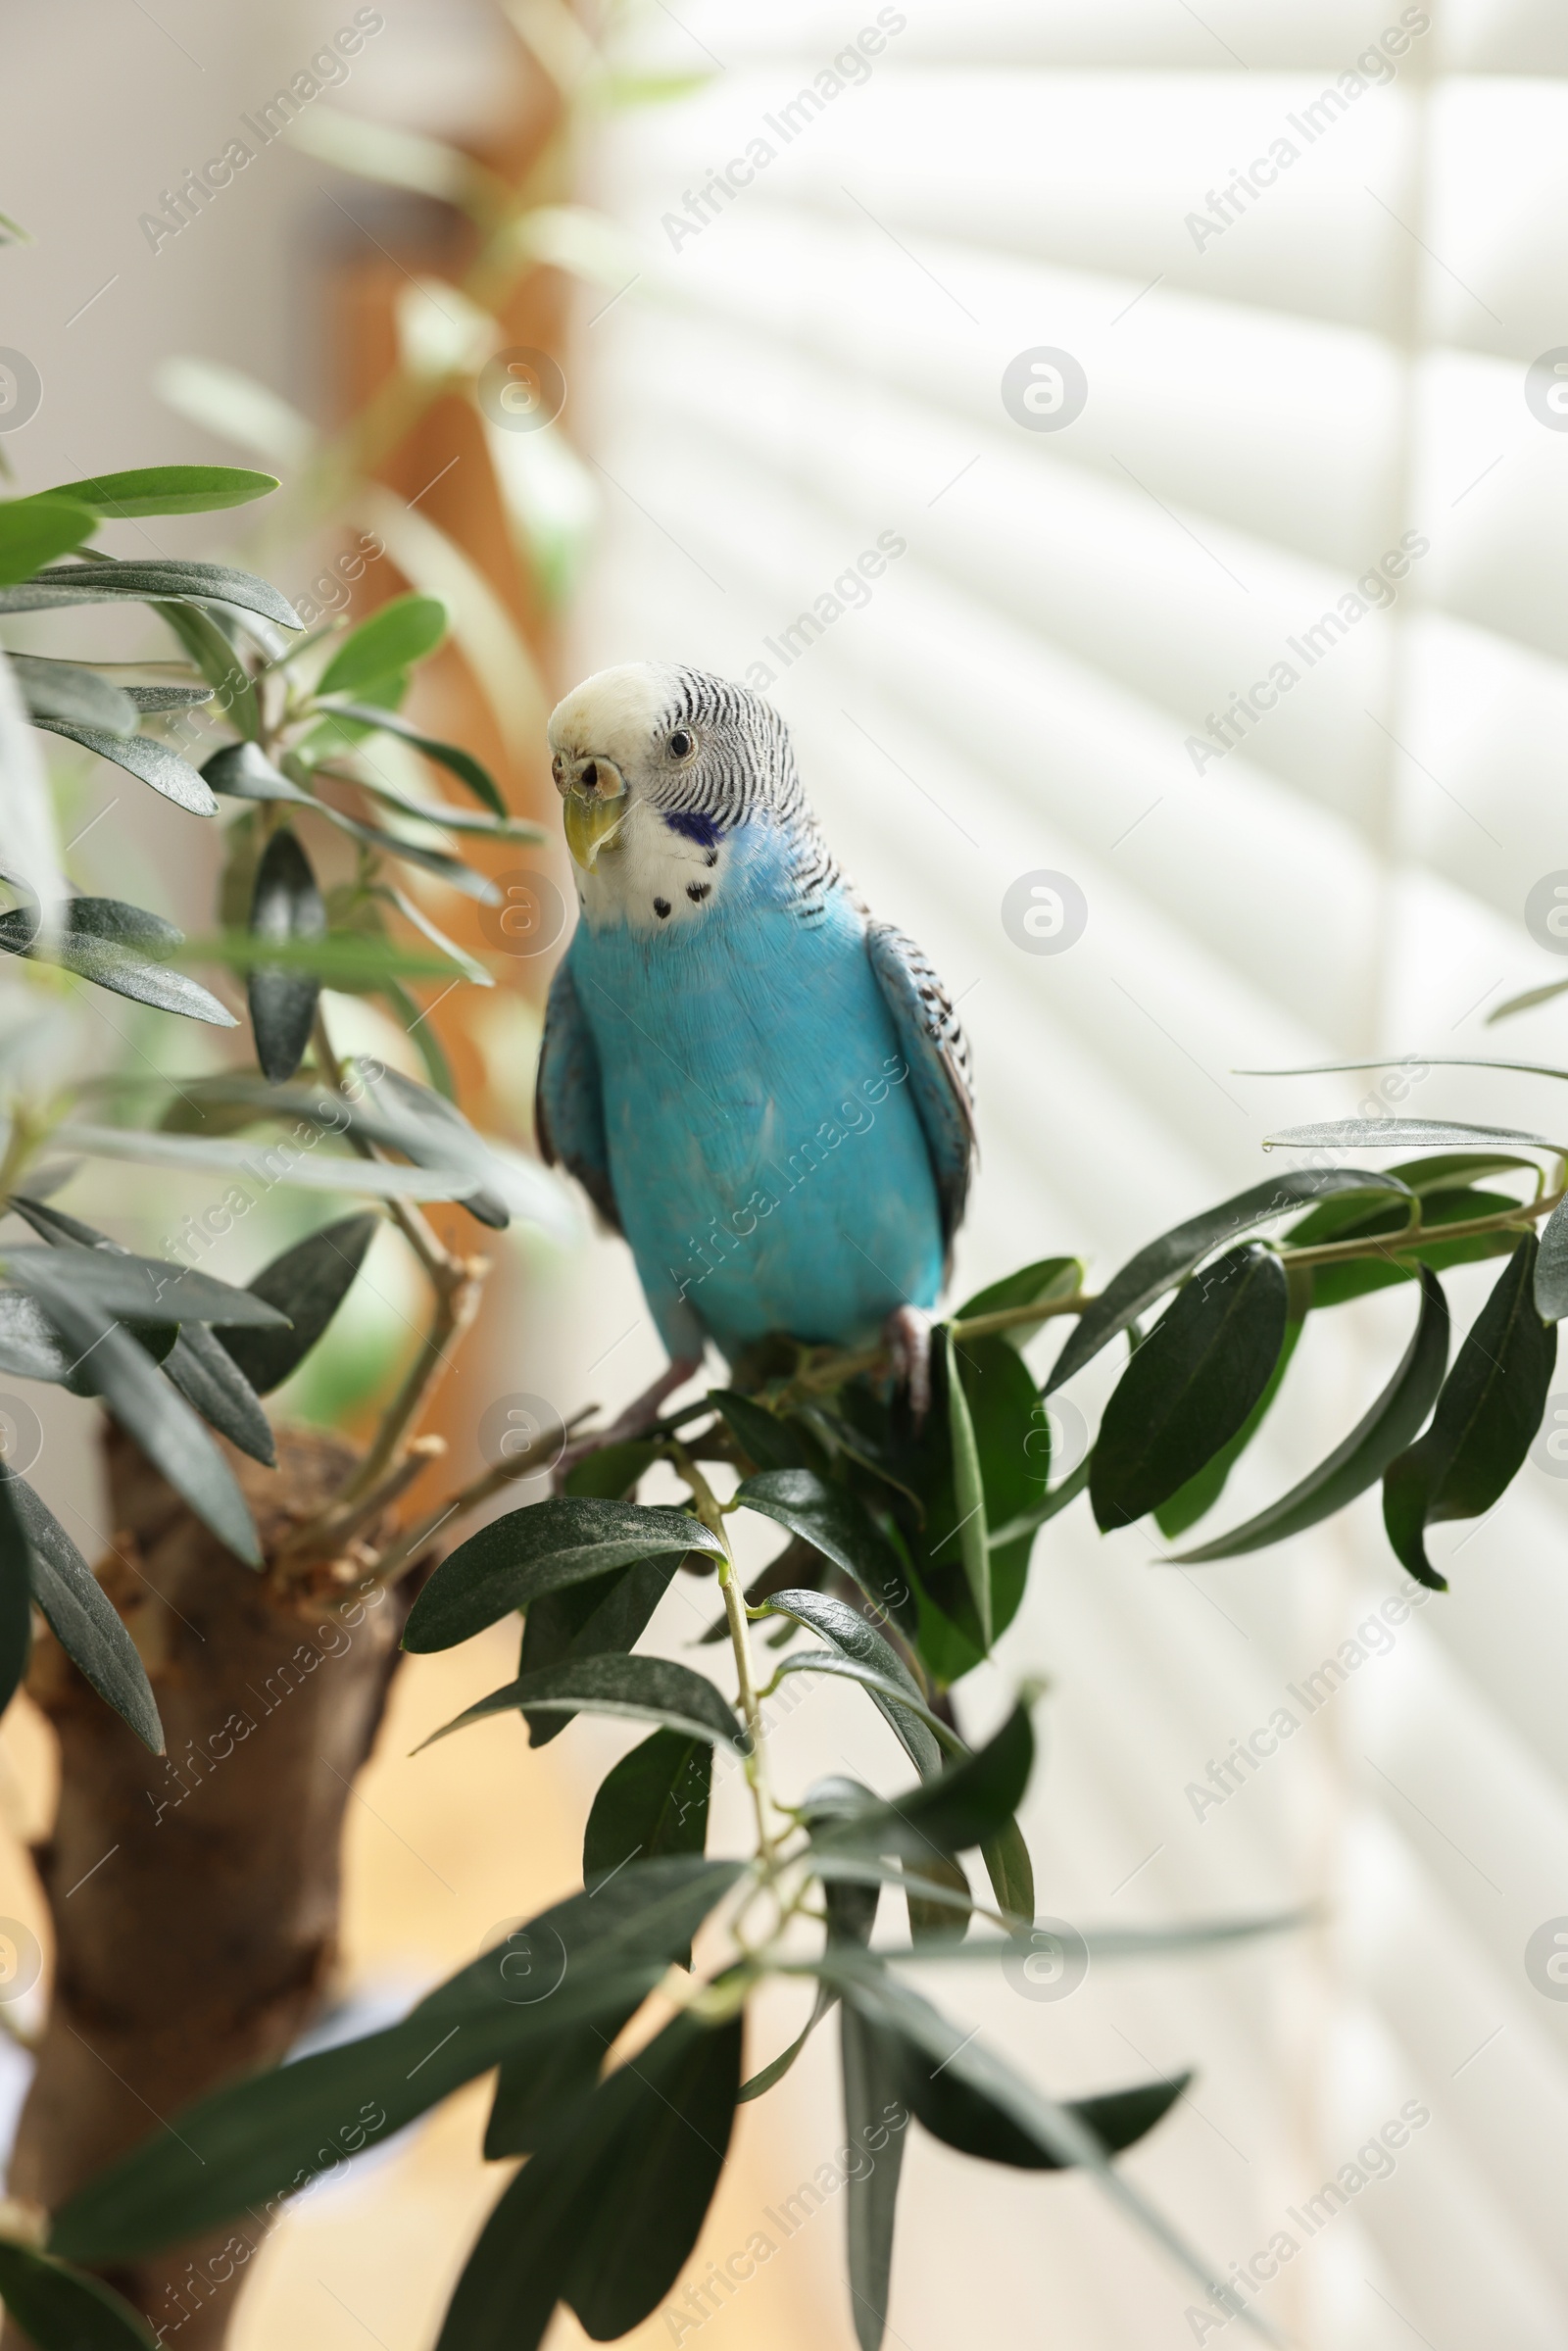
1136 341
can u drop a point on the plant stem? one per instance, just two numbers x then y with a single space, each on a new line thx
1394 1246
521 1464
26 1132
711 1513
457 1283
1009 1318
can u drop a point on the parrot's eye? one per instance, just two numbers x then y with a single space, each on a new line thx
680 745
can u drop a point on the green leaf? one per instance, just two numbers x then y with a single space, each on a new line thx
288 905
35 530
482 627
653 1802
208 1377
260 1162
234 406
146 1406
1030 1522
130 1286
645 1689
220 665
1012 1440
773 2073
1384 1432
852 1906
928 1917
403 159
243 771
1527 1002
969 1498
851 1893
460 763
963 2116
613 1473
874 2119
1058 2130
265 1163
1038 1285
1535 1069
31 851
444 813
449 869
1164 1263
472 969
603 1617
16 1593
1189 1386
342 959
62 690
257 2141
1488 1410
146 1289
60 2310
157 1337
105 941
1011 1871
1101 1942
849 1633
150 583
433 1132
769 1440
402 633
168 489
967 1804
151 762
890 1695
653 1805
937 1890
541 1549
28 1348
837 1523
1191 1501
1551 1266
80 1614
1387 1134
307 1283
603 2215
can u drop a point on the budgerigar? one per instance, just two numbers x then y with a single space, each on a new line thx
763 1089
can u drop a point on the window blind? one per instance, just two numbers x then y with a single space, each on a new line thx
1311 442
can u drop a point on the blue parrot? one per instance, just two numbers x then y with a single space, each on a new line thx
764 1090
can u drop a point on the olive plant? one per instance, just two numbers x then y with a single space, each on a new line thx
908 1542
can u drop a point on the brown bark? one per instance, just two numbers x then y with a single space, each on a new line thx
195 1899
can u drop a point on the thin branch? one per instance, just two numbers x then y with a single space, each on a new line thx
529 1461
338 1525
710 1511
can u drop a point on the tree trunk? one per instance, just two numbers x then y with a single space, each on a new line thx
195 1897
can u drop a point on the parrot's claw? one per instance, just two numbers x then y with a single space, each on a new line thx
908 1332
636 1420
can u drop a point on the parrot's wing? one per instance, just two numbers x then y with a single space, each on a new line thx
938 1053
570 1100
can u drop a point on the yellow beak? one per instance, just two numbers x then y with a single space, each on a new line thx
594 815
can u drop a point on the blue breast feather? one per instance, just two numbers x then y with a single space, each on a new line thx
764 1143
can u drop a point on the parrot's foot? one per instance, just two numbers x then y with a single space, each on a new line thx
637 1419
908 1332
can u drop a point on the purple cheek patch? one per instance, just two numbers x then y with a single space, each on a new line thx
692 825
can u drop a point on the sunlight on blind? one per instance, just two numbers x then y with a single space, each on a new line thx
1263 648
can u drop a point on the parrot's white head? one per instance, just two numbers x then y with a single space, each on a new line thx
659 766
